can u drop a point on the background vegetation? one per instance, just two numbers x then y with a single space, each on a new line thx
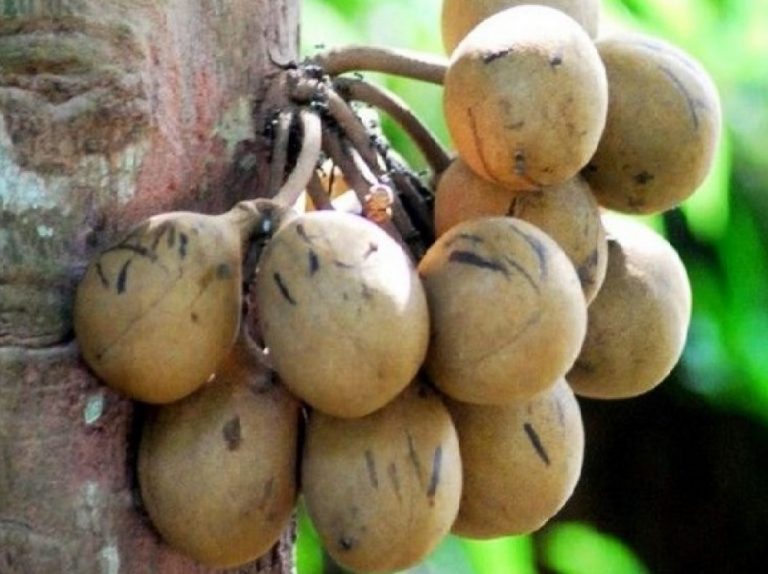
673 482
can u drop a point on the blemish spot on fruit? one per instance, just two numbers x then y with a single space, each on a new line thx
171 240
232 433
372 248
493 56
538 248
314 262
94 408
370 464
689 99
302 232
347 543
183 245
394 478
223 271
536 442
556 60
643 178
475 239
194 317
266 493
413 456
283 289
434 479
102 276
475 260
122 277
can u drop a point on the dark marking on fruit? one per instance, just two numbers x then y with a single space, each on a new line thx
266 493
636 202
232 433
314 262
522 271
516 126
223 271
122 277
493 56
347 543
183 244
139 250
520 163
159 233
283 289
692 102
560 413
556 59
538 248
102 276
434 479
370 463
171 241
343 265
643 178
476 239
536 442
475 260
366 292
394 478
413 456
302 232
194 317
478 141
372 248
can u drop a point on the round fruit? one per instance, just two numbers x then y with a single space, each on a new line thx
521 462
384 489
507 311
638 322
526 97
217 469
568 213
342 311
662 129
460 16
156 313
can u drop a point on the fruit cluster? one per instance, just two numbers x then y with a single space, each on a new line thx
435 341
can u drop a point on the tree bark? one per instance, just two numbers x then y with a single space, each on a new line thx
109 112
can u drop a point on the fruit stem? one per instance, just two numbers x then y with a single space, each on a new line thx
318 194
435 154
352 127
405 63
307 160
280 150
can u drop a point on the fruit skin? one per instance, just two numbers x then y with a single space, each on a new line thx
521 462
384 489
526 97
662 130
460 16
568 213
217 470
155 314
342 312
638 322
508 314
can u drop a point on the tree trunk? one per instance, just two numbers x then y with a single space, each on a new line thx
110 111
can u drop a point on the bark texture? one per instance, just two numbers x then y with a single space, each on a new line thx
109 112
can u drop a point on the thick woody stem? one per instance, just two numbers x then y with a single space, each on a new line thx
437 157
306 162
318 194
352 127
406 63
280 150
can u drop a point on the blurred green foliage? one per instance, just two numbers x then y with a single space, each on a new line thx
721 232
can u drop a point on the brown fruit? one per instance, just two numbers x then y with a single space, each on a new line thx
217 469
521 462
662 129
460 16
384 489
342 311
526 97
568 213
638 322
508 315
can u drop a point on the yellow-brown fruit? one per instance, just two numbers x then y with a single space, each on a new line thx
568 213
384 489
155 314
460 16
342 311
217 469
526 97
638 322
521 462
462 195
662 129
508 315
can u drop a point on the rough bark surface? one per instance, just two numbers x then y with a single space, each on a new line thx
133 108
